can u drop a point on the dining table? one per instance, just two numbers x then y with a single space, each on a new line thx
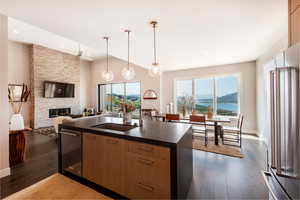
213 121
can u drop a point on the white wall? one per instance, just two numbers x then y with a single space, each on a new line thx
85 83
116 65
4 114
246 72
19 71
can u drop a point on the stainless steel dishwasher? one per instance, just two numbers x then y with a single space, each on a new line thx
71 151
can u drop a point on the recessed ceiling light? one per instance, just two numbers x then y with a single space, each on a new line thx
15 31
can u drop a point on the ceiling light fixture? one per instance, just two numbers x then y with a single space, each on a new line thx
107 75
128 72
154 71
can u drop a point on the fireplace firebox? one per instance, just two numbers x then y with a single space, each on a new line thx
59 112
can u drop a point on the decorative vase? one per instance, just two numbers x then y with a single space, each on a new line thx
127 118
194 112
210 113
17 122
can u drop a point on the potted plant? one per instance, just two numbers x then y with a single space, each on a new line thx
127 109
186 104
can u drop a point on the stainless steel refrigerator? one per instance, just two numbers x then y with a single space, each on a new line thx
282 77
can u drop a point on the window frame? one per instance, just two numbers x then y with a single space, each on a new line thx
214 77
125 94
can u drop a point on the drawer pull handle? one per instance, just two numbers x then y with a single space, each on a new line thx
146 187
110 141
145 149
146 162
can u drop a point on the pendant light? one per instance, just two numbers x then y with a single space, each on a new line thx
107 75
128 72
154 71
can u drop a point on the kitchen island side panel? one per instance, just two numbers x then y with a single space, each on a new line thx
184 151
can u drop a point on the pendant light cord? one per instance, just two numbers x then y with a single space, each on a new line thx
128 32
154 34
106 38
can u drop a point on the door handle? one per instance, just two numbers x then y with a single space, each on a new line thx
146 187
145 161
146 149
111 141
70 134
278 124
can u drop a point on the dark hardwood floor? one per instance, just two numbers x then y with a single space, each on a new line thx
215 176
223 177
41 162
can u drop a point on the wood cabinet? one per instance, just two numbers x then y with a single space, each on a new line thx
133 169
147 171
113 164
91 157
293 5
294 22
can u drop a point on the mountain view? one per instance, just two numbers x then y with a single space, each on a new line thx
226 105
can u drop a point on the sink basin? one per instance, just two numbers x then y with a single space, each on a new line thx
115 127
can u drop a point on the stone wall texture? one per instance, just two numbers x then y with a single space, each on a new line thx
52 65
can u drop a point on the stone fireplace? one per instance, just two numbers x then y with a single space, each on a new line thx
52 65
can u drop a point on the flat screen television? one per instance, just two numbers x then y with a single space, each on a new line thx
58 90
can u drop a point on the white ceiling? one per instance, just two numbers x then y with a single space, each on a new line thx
191 33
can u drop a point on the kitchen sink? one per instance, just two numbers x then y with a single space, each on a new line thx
115 127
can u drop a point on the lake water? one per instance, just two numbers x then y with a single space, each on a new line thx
223 106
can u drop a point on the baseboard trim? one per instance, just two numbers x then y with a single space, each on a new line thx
4 172
250 132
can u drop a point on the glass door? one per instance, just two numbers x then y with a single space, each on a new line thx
133 96
117 96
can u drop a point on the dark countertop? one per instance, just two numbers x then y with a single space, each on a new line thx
153 132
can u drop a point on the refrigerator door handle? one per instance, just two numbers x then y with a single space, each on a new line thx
272 120
278 124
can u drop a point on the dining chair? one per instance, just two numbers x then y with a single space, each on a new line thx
148 112
200 128
233 134
172 117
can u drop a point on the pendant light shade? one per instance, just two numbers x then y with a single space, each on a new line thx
154 70
128 72
107 75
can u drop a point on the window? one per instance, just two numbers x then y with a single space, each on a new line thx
133 95
220 93
111 95
117 96
204 94
227 96
184 92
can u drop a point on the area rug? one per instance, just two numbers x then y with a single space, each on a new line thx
48 131
57 187
198 143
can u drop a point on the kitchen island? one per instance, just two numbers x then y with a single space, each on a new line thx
152 161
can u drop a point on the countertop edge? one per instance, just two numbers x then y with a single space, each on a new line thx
122 136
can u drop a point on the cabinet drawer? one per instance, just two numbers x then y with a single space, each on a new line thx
141 190
147 177
147 150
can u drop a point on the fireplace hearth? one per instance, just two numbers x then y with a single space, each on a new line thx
59 112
